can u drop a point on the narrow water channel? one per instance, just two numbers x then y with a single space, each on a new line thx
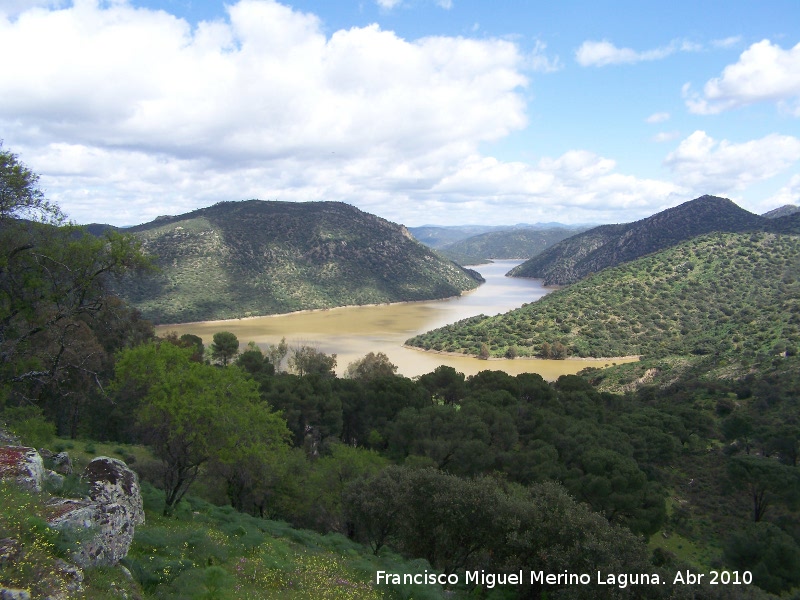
352 332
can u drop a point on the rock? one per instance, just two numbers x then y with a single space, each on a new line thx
9 594
72 577
111 512
62 463
23 464
10 550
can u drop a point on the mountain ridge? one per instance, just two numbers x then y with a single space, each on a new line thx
249 258
609 245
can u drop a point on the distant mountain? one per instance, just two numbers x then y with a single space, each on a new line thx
609 245
237 259
437 236
733 295
783 211
98 229
505 244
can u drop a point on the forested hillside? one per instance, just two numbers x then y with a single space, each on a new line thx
610 245
238 259
509 243
732 295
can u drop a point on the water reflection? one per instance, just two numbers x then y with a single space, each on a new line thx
352 332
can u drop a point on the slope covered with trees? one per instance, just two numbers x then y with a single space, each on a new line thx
238 259
610 245
521 242
736 295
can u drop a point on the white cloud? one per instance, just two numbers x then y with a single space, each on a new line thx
788 194
390 4
129 114
542 63
658 117
727 42
666 136
600 54
578 186
708 166
764 72
264 90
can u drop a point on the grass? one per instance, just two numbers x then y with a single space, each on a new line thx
202 552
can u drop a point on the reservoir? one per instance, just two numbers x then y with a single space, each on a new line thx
352 332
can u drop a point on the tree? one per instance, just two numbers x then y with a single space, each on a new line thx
224 347
769 553
372 366
254 362
306 360
445 384
20 196
278 352
762 479
57 315
192 413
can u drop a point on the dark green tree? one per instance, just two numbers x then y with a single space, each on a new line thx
769 553
224 347
57 316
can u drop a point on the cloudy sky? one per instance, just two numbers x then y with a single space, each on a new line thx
420 111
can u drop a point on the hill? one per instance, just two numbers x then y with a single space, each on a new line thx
734 295
508 243
782 211
788 223
609 245
237 259
435 236
438 236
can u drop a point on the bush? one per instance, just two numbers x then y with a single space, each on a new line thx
28 423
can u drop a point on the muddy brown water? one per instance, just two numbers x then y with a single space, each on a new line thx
352 332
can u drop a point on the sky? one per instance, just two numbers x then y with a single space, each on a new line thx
440 112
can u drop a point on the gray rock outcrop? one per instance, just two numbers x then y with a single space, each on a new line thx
23 465
109 515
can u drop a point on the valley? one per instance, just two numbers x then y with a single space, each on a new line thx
351 332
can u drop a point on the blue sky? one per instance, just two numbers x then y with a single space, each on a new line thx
420 111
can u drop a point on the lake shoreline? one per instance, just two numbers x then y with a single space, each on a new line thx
306 311
631 358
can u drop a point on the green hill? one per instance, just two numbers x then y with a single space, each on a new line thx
237 259
735 295
610 245
509 243
782 211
